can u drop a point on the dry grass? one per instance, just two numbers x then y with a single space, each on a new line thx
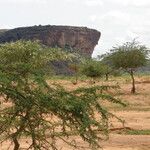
136 114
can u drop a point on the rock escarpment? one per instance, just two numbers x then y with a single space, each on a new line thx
81 39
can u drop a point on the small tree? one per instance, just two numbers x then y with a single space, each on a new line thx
107 71
107 66
42 112
75 68
128 57
92 69
74 65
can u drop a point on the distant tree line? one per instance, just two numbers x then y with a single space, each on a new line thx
128 57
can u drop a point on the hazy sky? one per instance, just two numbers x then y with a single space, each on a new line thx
117 20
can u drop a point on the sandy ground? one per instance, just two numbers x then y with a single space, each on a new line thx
138 120
127 142
136 116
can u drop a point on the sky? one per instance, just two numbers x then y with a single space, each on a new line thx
118 21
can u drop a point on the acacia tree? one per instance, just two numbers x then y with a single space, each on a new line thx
92 68
40 112
107 71
95 69
107 66
129 57
74 65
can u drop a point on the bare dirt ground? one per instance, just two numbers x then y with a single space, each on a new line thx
127 142
136 115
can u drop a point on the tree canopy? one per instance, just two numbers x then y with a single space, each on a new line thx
129 57
92 68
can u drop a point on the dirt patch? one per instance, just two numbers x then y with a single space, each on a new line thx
127 142
134 118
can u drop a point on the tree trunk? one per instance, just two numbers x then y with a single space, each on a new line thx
133 82
16 143
21 128
76 74
76 78
106 75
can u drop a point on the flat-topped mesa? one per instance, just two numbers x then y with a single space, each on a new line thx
81 39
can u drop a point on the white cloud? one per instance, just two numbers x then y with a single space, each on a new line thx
87 2
118 15
119 40
93 18
137 3
130 35
94 2
23 1
70 1
112 17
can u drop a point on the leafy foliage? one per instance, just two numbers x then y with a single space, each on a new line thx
75 64
92 68
42 112
95 69
107 66
128 57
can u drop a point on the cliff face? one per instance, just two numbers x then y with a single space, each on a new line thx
79 38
